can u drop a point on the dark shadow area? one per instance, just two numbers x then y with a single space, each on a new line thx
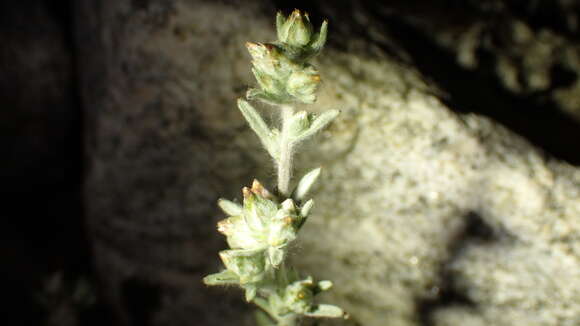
41 166
476 231
141 299
536 117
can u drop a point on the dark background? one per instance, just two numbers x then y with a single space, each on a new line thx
41 166
41 133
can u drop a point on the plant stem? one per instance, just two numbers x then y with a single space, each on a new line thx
285 161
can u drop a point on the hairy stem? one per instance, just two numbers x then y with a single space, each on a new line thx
285 161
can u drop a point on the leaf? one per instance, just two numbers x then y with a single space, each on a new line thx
267 97
262 319
225 277
305 184
320 38
229 207
264 305
317 125
321 286
298 124
324 285
326 311
305 209
276 256
260 127
250 292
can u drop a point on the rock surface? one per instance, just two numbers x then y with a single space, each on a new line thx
424 216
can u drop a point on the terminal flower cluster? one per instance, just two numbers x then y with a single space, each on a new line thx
281 67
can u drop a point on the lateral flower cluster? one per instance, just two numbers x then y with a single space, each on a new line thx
281 67
258 233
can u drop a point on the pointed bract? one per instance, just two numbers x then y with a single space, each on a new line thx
326 311
229 207
225 277
305 184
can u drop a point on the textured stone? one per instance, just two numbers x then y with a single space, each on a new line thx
403 209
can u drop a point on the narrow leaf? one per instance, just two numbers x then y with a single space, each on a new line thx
323 286
320 38
280 20
305 209
264 305
327 311
225 277
305 184
317 125
259 126
250 292
262 319
229 207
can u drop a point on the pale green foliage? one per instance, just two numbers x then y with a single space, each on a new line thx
260 230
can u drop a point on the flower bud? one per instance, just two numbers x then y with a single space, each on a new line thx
296 30
303 84
299 296
265 57
249 266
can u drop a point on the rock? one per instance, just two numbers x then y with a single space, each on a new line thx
424 215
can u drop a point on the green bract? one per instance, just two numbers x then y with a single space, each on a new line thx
260 230
281 68
297 36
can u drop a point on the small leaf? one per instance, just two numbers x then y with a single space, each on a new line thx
280 28
298 124
264 304
276 256
259 127
305 184
323 286
225 277
326 310
320 38
318 124
262 319
266 97
305 209
229 207
250 292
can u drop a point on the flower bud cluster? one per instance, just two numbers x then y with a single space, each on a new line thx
281 67
258 233
261 225
298 298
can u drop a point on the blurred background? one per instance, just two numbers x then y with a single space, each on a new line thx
46 256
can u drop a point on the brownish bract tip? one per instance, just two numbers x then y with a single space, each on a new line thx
225 227
257 187
246 192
